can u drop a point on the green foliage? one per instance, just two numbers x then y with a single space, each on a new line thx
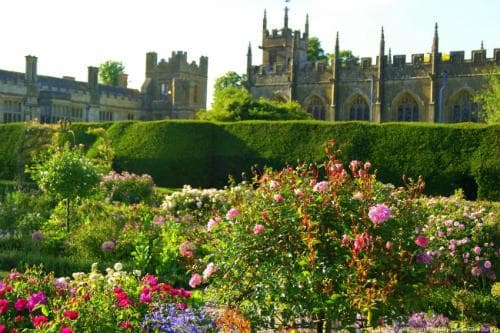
11 146
230 79
66 175
490 100
109 72
314 50
235 104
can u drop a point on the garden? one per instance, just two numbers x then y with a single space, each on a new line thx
311 246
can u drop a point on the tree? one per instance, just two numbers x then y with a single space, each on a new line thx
230 79
109 72
236 103
66 175
314 50
490 100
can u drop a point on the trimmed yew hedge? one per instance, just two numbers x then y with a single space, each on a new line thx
203 154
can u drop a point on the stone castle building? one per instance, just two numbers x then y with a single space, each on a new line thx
172 89
427 90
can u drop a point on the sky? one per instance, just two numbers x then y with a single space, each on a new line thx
67 36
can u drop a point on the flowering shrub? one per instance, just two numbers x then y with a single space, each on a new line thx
94 302
198 204
294 245
128 187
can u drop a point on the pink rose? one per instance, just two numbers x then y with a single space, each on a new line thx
195 280
66 329
274 184
2 328
321 187
145 297
73 315
20 304
4 306
278 198
487 264
477 250
421 241
264 215
379 214
345 239
388 245
39 321
232 213
258 229
212 223
298 193
211 268
368 165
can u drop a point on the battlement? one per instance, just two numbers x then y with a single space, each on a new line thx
178 62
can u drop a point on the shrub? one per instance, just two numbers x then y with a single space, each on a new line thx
128 187
297 245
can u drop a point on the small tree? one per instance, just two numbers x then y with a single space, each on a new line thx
490 100
66 175
109 72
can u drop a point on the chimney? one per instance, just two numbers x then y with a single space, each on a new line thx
122 80
30 74
92 78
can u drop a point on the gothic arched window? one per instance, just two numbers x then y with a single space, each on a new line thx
359 109
316 108
408 109
464 109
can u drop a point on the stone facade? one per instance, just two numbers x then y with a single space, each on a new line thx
436 89
173 89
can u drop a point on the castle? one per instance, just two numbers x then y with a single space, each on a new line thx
172 89
437 90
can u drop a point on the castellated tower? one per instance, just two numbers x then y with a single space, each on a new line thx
437 87
174 89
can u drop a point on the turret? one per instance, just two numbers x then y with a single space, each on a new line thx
435 50
335 73
306 31
249 65
264 24
286 19
381 65
31 69
151 62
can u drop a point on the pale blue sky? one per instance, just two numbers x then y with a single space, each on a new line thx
69 35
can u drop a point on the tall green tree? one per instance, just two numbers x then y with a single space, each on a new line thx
109 72
314 50
490 100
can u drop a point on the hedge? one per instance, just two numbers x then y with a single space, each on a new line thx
203 154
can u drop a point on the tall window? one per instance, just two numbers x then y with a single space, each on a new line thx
408 109
464 109
195 94
316 108
359 109
12 111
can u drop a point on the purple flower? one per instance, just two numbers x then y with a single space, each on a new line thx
379 213
36 299
417 320
108 246
37 236
424 258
